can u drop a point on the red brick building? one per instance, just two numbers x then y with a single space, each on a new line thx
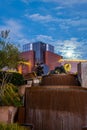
38 52
51 59
30 61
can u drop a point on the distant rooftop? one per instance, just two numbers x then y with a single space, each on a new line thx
72 60
39 45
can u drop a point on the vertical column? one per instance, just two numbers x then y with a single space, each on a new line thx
82 73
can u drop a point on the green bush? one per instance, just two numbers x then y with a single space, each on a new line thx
12 127
9 96
17 79
12 77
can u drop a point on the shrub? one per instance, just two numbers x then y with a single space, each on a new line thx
58 70
17 79
12 77
9 96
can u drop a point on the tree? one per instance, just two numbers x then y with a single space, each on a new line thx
9 57
9 53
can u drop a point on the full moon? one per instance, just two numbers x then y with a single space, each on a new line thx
69 54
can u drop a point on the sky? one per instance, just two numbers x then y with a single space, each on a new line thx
61 23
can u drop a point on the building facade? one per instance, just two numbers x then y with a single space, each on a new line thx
39 52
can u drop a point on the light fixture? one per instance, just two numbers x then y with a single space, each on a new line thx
36 82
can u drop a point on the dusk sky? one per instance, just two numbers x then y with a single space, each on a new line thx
61 23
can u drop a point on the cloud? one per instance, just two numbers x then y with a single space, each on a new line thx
59 7
80 13
62 23
24 41
82 29
16 35
62 2
25 1
40 18
66 24
63 26
44 38
67 2
72 45
62 47
13 26
71 2
77 22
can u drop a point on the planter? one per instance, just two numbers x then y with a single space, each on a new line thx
7 114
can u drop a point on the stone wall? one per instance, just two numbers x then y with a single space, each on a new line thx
82 73
56 108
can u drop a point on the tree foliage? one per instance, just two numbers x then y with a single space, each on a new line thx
9 53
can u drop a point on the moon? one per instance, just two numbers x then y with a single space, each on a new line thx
69 54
